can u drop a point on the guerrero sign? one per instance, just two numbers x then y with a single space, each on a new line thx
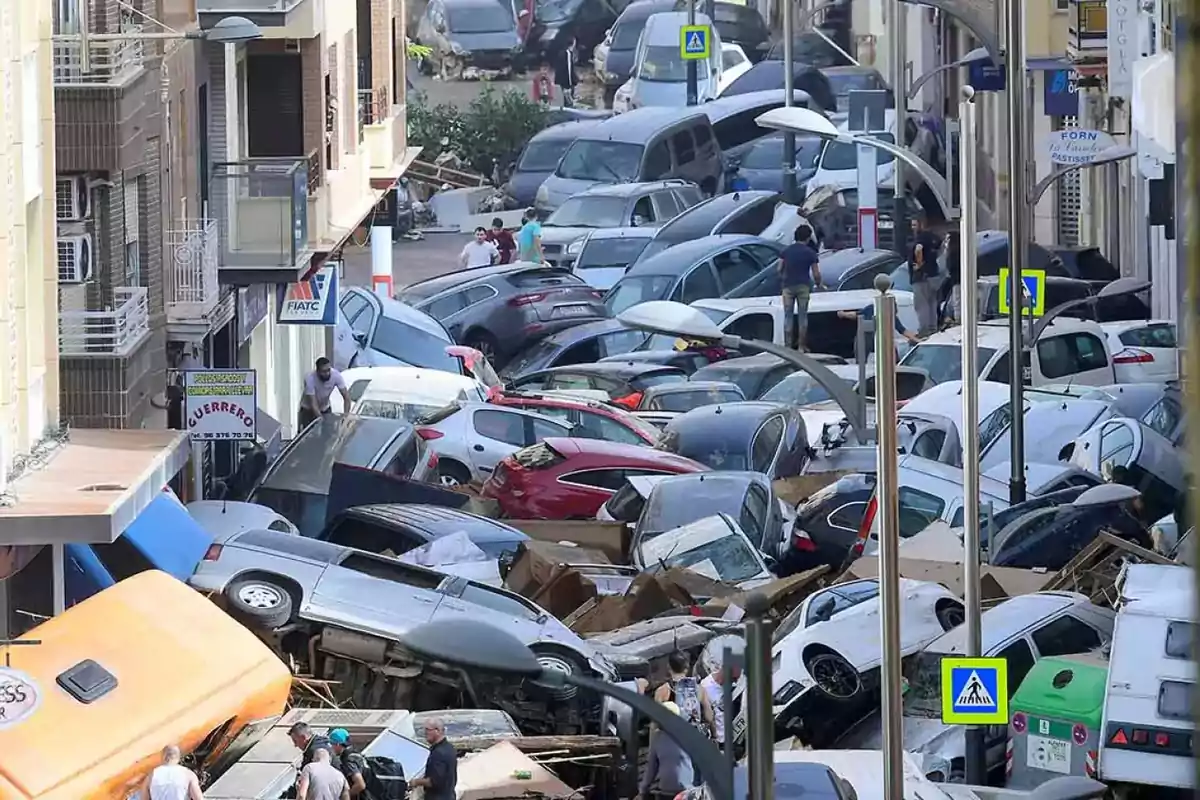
19 697
220 404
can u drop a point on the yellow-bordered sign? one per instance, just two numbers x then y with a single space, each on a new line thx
1035 284
695 42
974 691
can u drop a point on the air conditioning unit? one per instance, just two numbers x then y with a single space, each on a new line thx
74 259
73 199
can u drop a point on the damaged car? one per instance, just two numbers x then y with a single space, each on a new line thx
715 547
464 34
341 611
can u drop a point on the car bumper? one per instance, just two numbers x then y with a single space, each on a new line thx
491 59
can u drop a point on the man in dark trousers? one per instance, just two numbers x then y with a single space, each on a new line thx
564 73
923 274
799 272
441 767
351 762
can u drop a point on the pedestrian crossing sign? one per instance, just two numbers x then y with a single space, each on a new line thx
695 42
1035 291
974 691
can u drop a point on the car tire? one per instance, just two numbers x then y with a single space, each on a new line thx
452 473
833 674
259 602
486 344
950 616
562 661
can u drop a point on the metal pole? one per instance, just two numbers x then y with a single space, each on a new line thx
1018 207
897 48
889 540
58 567
760 723
85 50
728 663
976 768
197 471
789 137
693 91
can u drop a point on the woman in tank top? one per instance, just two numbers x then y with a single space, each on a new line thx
684 691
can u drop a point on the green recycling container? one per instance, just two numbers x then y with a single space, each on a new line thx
1055 720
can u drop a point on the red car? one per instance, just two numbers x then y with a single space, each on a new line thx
571 478
592 420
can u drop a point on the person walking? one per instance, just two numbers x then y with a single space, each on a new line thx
171 780
307 742
319 386
352 763
564 74
479 252
954 275
542 90
799 272
321 780
684 691
503 240
923 275
714 687
441 766
669 769
529 238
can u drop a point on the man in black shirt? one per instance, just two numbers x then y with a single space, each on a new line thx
441 767
350 761
923 274
307 742
799 272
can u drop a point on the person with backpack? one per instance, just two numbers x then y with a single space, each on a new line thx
351 762
684 691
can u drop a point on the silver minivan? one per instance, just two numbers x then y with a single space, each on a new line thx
659 71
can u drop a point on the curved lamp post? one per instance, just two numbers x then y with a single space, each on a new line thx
806 121
978 54
1117 288
477 645
1110 156
676 319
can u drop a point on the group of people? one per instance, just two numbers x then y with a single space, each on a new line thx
497 245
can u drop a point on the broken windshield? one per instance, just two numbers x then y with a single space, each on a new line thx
923 697
709 546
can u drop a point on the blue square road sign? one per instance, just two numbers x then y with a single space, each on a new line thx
974 691
695 42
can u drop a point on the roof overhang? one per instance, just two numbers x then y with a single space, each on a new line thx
92 486
263 13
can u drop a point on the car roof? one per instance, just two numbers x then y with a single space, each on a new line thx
643 9
627 189
571 129
406 314
618 451
636 126
617 369
734 418
306 464
724 107
692 386
389 382
559 399
758 361
577 333
849 300
951 474
678 258
662 27
438 521
1000 623
457 280
700 219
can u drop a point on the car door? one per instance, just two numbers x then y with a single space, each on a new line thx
666 205
374 592
497 433
753 518
699 283
684 146
734 267
764 448
356 320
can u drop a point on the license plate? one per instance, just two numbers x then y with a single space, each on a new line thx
572 311
1052 755
739 726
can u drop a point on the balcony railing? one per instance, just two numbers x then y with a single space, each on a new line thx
193 290
115 332
262 210
109 63
373 106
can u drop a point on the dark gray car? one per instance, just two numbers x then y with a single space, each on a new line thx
582 344
614 56
745 496
540 157
648 204
477 33
747 213
763 437
499 310
841 270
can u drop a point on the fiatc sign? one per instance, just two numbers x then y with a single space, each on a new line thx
1074 147
221 405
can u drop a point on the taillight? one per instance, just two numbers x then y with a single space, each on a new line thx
429 434
800 541
213 552
527 299
1162 739
1131 355
629 401
864 530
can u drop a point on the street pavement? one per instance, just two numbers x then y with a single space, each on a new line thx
460 93
434 255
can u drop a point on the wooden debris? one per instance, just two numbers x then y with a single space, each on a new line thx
1094 570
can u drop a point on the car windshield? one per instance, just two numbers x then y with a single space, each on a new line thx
709 547
637 289
589 212
542 156
611 252
943 362
537 356
846 82
547 11
627 33
393 409
799 389
712 451
482 19
842 156
679 402
413 346
604 162
923 697
662 64
767 152
304 510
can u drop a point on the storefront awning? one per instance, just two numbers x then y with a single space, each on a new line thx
91 487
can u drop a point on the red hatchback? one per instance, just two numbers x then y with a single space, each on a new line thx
571 478
592 420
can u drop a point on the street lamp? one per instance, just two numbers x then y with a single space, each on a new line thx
228 31
1110 155
978 54
676 319
1118 288
806 121
477 645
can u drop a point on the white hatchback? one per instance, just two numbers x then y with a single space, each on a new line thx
1143 350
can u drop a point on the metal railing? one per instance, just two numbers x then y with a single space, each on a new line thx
193 289
109 63
262 210
373 106
115 332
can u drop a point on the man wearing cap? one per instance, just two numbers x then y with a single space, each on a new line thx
349 761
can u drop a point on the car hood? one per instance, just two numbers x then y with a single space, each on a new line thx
492 40
558 189
672 94
552 234
619 63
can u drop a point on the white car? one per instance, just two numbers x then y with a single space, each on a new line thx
715 547
471 438
226 518
407 393
828 646
1143 350
733 64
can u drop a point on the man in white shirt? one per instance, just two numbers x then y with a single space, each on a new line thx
172 780
714 688
319 386
479 252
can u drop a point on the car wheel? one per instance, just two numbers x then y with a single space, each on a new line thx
451 474
259 602
834 675
485 344
561 661
950 616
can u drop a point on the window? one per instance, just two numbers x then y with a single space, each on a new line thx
369 537
569 381
489 598
848 517
544 428
843 597
477 294
1175 700
993 425
959 518
703 135
1116 444
735 267
1000 370
666 205
766 444
352 304
281 525
1089 352
643 212
773 379
917 511
1161 335
121 559
446 305
597 426
1179 639
754 515
553 412
1020 661
585 352
751 219
609 479
364 321
764 255
407 457
753 326
387 569
699 284
1163 417
658 162
840 156
502 426
1064 636
620 342
684 146
929 444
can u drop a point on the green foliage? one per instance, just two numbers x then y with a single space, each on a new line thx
493 128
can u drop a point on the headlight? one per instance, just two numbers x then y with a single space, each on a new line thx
574 247
543 195
787 694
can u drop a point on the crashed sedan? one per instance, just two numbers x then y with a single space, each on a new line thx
343 612
714 547
469 33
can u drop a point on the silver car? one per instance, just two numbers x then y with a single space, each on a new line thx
268 579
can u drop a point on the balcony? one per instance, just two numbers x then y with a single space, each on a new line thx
110 64
384 135
262 214
115 332
192 286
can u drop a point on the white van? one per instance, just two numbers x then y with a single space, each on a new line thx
1148 722
659 71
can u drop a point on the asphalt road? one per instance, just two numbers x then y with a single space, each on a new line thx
434 255
460 93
